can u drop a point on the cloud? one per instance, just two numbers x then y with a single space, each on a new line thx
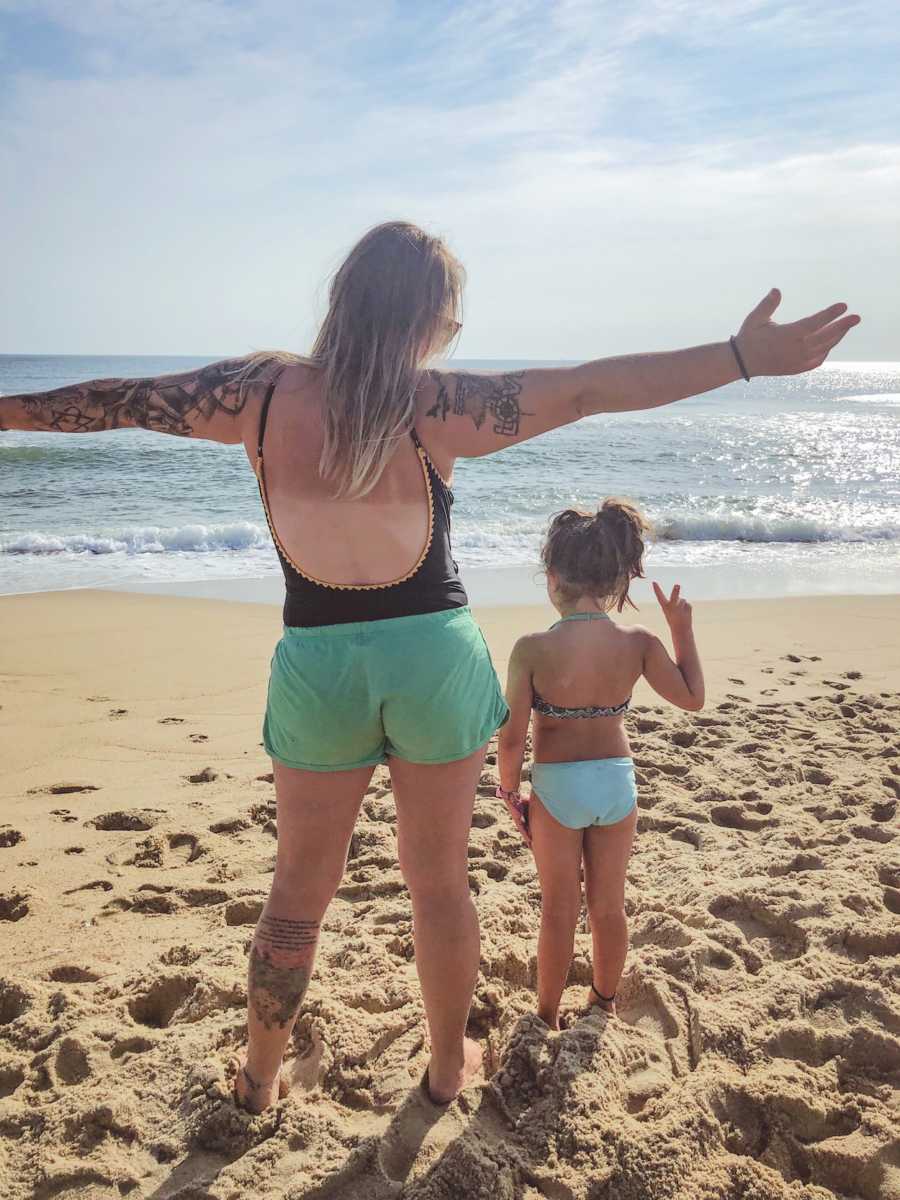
190 183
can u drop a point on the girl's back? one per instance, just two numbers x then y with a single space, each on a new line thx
583 663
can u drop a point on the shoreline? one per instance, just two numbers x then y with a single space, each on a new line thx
517 585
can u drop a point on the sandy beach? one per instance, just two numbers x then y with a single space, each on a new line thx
757 1050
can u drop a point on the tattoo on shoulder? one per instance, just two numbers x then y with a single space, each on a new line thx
167 403
480 397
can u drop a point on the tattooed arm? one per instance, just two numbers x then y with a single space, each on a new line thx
205 403
474 414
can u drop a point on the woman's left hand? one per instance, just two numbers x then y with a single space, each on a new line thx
770 349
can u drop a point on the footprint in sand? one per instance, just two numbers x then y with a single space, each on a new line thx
687 834
126 1047
10 837
483 820
115 713
873 833
848 1003
69 973
180 956
863 944
158 1005
14 1002
197 737
62 789
782 938
169 850
244 911
14 906
12 1076
732 816
71 1064
170 721
232 825
207 775
815 774
659 929
127 819
96 885
63 814
797 864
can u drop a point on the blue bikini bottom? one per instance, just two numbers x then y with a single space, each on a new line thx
600 791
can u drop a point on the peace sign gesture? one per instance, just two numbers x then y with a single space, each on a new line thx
676 611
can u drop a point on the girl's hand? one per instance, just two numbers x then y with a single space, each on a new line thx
678 612
770 349
517 807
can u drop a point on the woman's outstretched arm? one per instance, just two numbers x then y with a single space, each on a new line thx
208 402
475 414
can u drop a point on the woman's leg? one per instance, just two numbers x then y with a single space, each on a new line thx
434 816
607 849
316 814
557 852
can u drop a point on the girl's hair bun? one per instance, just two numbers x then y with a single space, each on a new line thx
597 554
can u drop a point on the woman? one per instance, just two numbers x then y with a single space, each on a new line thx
354 449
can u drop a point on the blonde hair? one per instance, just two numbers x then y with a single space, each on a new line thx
597 554
393 303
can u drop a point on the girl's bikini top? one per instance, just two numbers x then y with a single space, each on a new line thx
600 710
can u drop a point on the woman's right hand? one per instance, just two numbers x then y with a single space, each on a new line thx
677 611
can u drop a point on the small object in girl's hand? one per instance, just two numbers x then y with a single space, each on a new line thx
517 807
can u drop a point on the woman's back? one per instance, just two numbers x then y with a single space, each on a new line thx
374 539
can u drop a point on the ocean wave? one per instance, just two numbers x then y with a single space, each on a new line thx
148 539
476 542
738 527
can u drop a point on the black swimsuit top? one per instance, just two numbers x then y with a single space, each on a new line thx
432 585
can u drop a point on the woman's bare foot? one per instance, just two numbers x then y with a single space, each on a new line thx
595 1000
443 1089
254 1095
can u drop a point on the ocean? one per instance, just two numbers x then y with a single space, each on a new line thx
783 486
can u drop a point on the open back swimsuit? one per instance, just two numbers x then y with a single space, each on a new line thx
598 791
368 670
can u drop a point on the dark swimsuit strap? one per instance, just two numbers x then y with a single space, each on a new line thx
264 415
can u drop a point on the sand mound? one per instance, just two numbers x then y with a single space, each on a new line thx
756 1053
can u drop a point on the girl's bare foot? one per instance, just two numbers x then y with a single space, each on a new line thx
550 1018
256 1095
606 1004
444 1088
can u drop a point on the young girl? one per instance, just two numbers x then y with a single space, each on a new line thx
577 678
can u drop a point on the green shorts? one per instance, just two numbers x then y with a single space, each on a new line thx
422 688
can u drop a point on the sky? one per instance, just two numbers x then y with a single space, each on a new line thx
182 177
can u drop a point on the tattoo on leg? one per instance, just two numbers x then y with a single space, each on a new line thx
281 963
480 396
